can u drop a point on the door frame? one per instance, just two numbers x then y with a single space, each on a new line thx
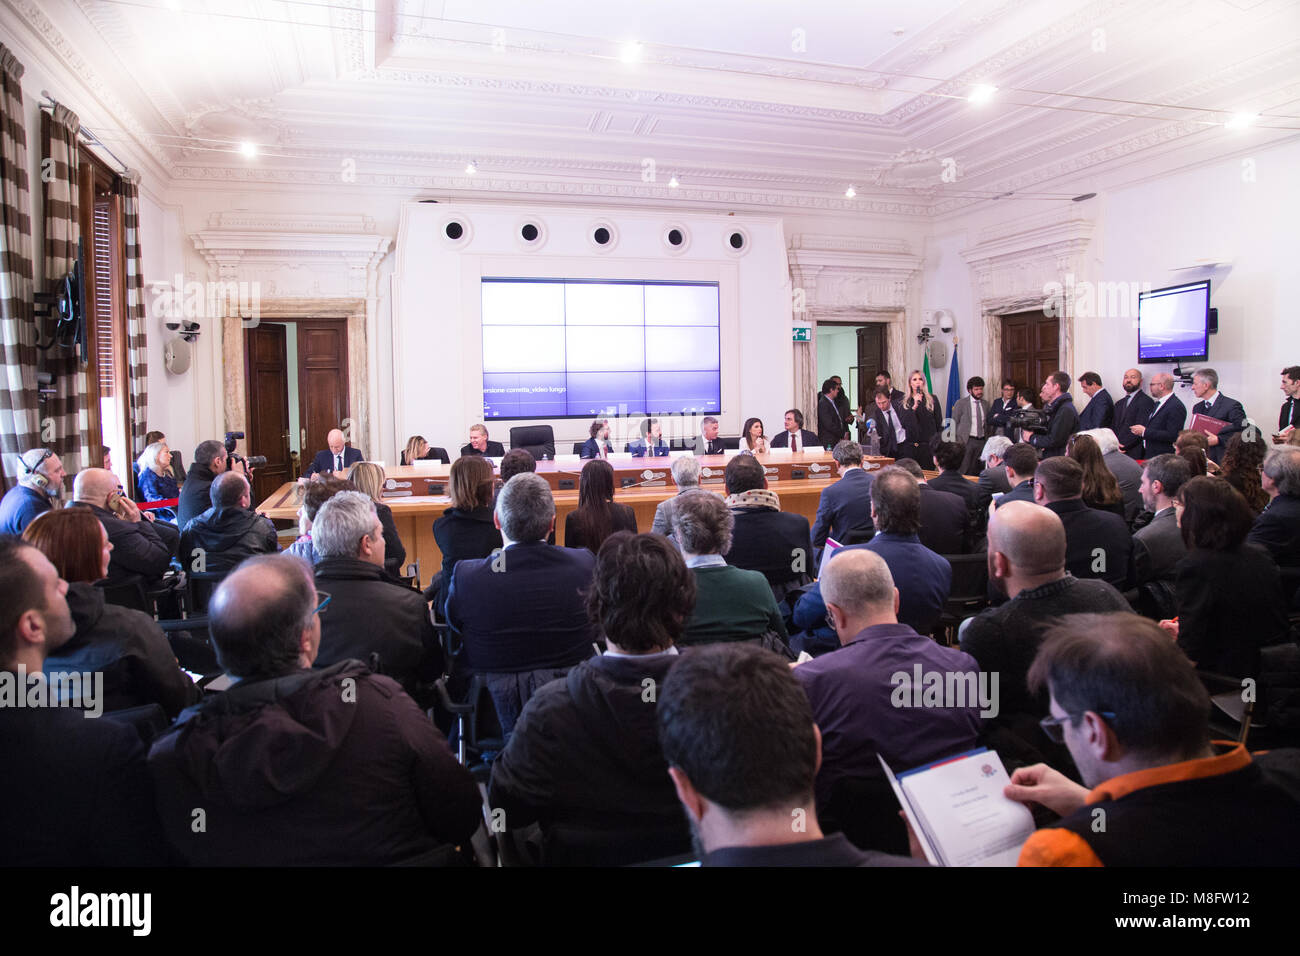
992 311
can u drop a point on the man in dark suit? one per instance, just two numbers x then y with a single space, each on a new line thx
842 403
521 613
1166 420
1288 419
1097 543
1133 409
337 459
794 436
970 424
479 444
1158 547
945 519
1021 462
1062 419
1100 410
884 381
1214 404
597 446
889 424
950 457
1001 408
830 426
846 503
651 441
1277 528
764 538
708 442
993 479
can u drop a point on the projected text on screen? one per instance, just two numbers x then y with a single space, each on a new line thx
564 348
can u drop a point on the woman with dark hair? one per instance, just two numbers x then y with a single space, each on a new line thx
598 515
1228 592
754 438
597 446
466 529
922 418
1243 462
1192 447
125 645
1100 488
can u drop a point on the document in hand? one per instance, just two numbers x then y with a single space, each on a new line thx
831 547
1207 425
958 812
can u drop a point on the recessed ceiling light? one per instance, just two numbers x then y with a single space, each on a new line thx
1240 120
850 192
899 31
248 149
471 168
631 52
981 93
673 183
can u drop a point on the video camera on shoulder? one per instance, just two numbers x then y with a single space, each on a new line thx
1030 419
252 461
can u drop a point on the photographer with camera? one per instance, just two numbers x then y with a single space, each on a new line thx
1062 420
211 458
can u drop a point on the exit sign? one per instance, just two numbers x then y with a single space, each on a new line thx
802 333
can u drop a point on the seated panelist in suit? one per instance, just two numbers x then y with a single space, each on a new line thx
708 442
1133 409
1165 421
794 436
597 446
1214 404
651 441
338 458
752 436
479 444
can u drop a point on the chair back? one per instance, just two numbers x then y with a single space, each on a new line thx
537 440
202 584
970 576
127 592
859 536
581 844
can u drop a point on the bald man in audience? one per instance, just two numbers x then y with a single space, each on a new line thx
1026 561
139 545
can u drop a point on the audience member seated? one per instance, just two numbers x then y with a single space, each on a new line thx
79 793
1240 467
752 437
731 604
210 460
1228 592
686 476
139 547
1097 543
40 482
1158 547
369 612
1021 462
1100 489
295 766
1277 528
175 466
479 444
650 442
845 504
945 522
993 479
855 695
951 457
764 538
924 578
586 749
1132 714
368 478
155 476
598 515
314 494
794 436
1193 447
124 645
1127 472
516 461
465 530
598 445
1026 559
337 458
748 796
228 532
520 614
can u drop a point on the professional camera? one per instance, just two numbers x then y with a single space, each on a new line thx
252 461
1030 419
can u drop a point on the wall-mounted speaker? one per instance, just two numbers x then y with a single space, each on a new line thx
456 231
735 241
603 235
1213 325
675 238
531 233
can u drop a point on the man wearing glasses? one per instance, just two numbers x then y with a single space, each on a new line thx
1128 705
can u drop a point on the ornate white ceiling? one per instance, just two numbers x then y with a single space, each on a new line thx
755 104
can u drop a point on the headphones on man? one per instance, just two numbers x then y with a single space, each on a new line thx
33 476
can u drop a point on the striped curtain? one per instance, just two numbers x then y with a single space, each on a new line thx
67 406
19 416
137 367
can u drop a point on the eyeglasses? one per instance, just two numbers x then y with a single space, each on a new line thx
1052 725
324 597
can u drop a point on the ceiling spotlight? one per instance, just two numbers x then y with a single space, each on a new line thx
673 183
471 168
248 149
1240 120
631 52
981 93
850 192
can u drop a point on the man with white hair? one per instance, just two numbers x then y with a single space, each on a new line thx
139 545
1125 469
336 459
686 475
1278 526
1214 404
40 480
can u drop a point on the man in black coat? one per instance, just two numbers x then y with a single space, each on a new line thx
1098 544
210 460
765 538
369 613
139 545
830 425
945 518
1020 463
888 418
1062 419
1133 409
1159 546
845 503
1288 417
228 532
1277 529
1214 404
885 380
1001 408
480 445
1100 410
1166 419
951 457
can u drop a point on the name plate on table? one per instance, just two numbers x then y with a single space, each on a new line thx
647 478
397 489
712 475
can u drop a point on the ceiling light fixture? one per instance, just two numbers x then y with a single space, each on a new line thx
471 168
981 93
673 183
248 149
1240 120
631 52
850 192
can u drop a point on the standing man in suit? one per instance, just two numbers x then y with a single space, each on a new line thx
1100 410
842 403
884 381
889 423
708 443
1062 419
830 424
1166 419
846 503
970 420
1133 409
1288 418
479 444
337 459
795 436
1213 403
1001 409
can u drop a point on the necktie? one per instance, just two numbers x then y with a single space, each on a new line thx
338 462
977 430
794 443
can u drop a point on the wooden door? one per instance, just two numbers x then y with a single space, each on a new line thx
1031 348
323 383
871 362
267 375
